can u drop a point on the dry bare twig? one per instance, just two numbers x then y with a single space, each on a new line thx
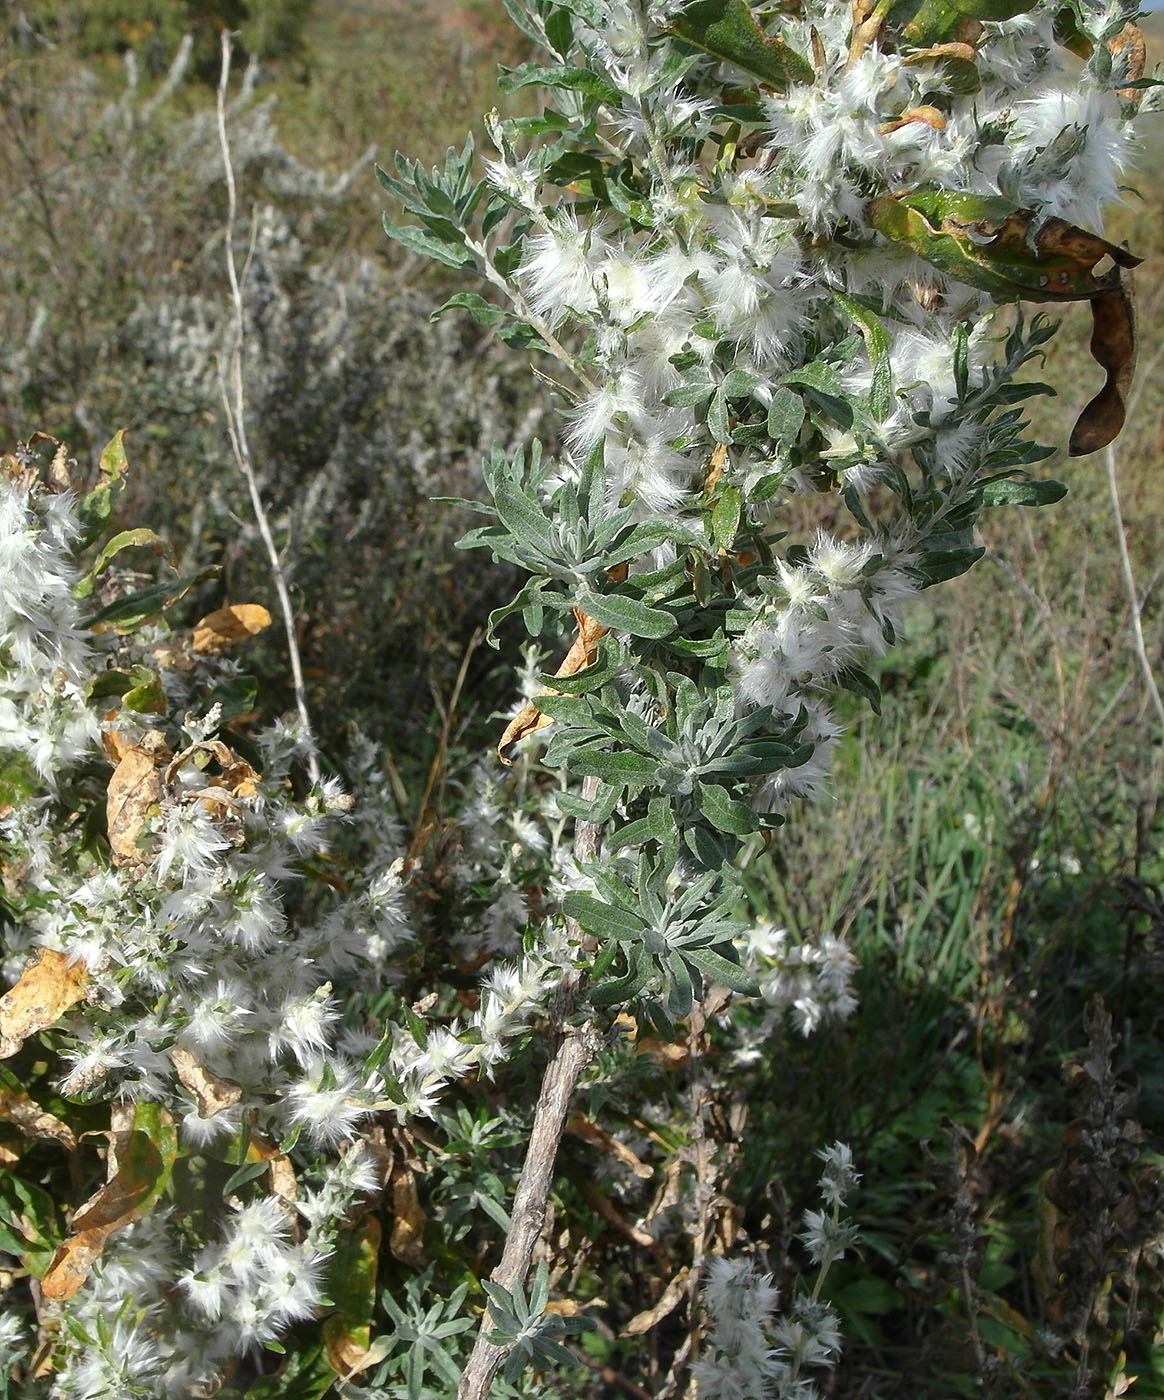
573 1049
234 405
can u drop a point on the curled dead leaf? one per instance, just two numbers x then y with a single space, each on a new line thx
227 626
135 789
927 116
1113 347
580 1126
669 1300
211 1092
962 52
142 1148
34 1121
406 1239
45 990
618 1219
529 718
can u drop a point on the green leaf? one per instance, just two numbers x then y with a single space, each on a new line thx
723 812
96 508
623 614
613 767
129 612
938 565
524 518
601 919
725 517
688 395
580 80
717 968
861 683
877 346
819 376
482 311
728 30
785 415
127 539
351 1284
426 245
1023 493
936 20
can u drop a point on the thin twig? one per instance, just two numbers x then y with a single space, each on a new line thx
573 1049
234 404
436 768
1130 586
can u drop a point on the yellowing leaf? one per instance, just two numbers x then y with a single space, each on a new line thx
224 627
987 243
45 991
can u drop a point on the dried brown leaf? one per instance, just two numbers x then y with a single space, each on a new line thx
580 1126
134 790
1129 44
225 627
530 719
136 1170
1113 347
616 1217
669 1300
34 1121
46 989
965 53
927 116
211 1092
406 1239
280 1171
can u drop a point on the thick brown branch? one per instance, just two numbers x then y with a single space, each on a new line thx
573 1047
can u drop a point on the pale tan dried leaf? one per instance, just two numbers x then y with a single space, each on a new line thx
668 1053
280 1171
47 987
927 116
564 1307
34 1121
406 1239
225 627
615 1216
580 1126
1129 43
964 52
669 1300
135 789
211 1092
530 719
